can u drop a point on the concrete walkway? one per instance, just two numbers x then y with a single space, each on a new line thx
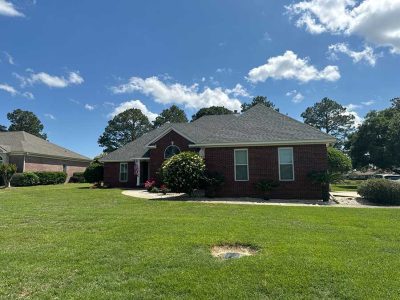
341 199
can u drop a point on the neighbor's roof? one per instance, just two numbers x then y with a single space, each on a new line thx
258 125
23 142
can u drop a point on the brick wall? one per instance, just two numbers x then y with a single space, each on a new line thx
263 164
37 164
111 175
157 155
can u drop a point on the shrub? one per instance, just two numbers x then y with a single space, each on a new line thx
149 184
380 191
183 172
211 182
338 162
48 178
7 171
94 172
25 179
164 189
77 177
266 186
154 189
324 179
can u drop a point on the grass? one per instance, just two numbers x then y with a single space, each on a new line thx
346 185
69 241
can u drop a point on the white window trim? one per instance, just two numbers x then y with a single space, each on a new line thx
169 147
120 173
279 163
234 163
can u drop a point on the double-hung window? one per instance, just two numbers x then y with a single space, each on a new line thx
286 166
241 165
123 172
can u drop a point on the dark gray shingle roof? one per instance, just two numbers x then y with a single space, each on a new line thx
23 142
260 124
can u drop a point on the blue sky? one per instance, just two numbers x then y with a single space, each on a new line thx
76 63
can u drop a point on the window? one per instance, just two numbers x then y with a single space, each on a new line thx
286 168
171 150
65 168
241 165
123 172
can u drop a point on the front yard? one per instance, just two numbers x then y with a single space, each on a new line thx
69 241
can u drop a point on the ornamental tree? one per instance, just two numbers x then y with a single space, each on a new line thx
7 171
183 172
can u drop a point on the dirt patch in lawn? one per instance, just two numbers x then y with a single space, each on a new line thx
229 251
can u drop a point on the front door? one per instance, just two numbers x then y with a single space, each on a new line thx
144 171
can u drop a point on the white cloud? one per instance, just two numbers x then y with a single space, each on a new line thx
297 97
238 91
189 96
9 58
8 88
13 92
133 104
367 54
224 70
368 103
8 9
290 66
89 107
376 21
50 80
50 116
351 110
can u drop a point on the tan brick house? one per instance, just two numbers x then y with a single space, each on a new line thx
260 143
30 153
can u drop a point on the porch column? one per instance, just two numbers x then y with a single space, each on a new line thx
137 163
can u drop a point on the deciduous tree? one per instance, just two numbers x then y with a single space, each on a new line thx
331 117
212 110
124 128
170 115
259 100
22 120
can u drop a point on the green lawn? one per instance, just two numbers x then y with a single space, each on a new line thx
346 185
72 242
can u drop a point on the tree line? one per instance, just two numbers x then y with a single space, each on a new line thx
376 142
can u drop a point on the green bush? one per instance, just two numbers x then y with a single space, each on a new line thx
183 172
48 178
77 177
25 179
380 191
211 183
94 172
338 162
7 171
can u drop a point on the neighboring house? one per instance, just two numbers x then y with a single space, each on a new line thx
257 144
30 153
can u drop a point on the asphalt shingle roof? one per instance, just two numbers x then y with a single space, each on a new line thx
260 124
23 142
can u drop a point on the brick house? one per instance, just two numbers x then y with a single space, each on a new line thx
30 154
260 143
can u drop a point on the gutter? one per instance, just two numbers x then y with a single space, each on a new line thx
277 143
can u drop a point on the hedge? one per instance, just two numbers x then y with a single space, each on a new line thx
380 191
77 177
47 178
24 179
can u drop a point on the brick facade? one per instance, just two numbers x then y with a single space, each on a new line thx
111 175
38 164
263 164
